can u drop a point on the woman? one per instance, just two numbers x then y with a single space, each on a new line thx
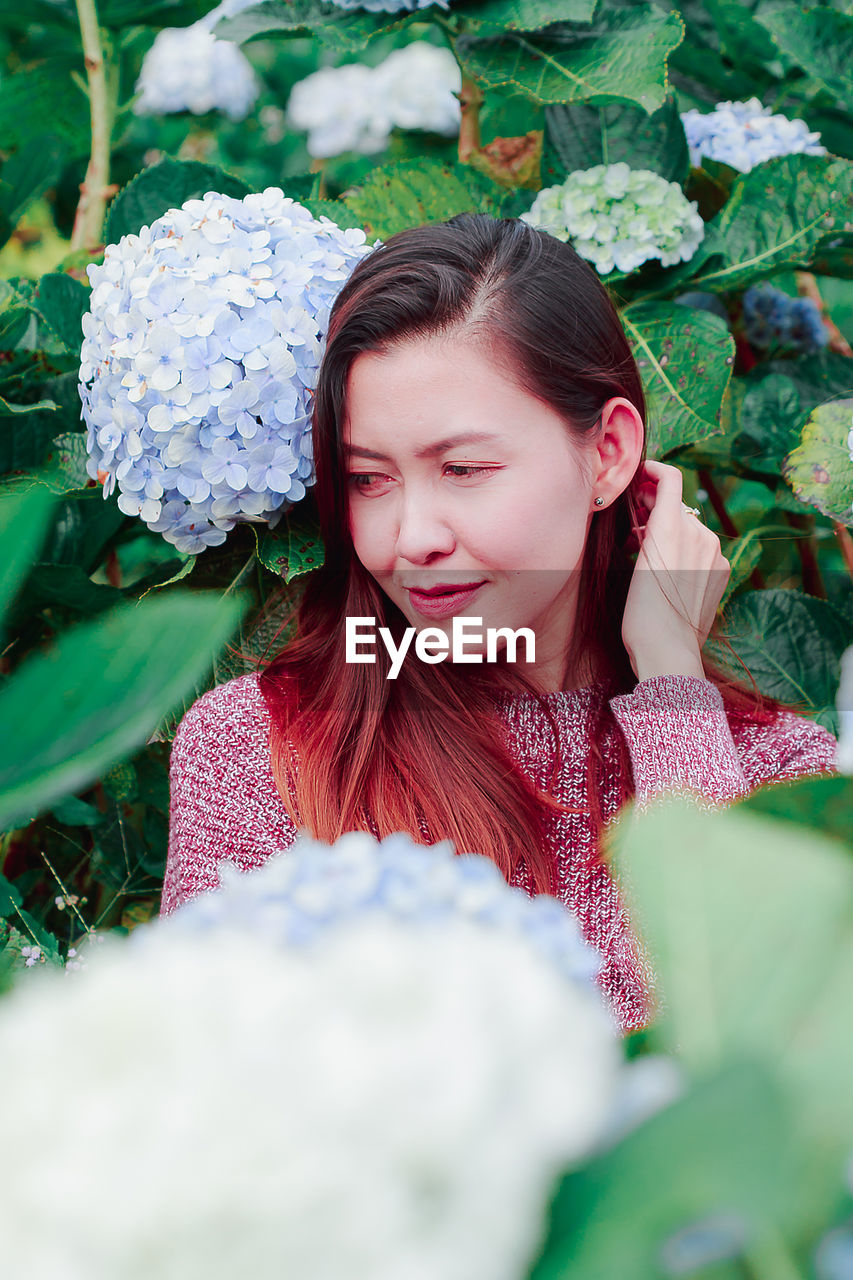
479 423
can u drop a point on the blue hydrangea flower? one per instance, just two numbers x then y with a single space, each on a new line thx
618 217
312 889
773 319
200 357
743 134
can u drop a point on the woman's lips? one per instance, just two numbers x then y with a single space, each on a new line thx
443 606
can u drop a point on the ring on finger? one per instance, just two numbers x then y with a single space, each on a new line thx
693 511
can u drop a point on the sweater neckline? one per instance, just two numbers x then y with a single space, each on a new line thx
556 698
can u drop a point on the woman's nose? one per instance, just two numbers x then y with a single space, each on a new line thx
422 529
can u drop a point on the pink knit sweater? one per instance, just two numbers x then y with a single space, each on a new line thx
225 805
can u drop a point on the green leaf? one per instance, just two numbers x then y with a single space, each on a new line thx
820 803
620 56
784 213
792 644
685 356
579 136
409 193
24 519
744 555
819 39
292 548
343 30
65 467
164 186
521 15
99 692
718 897
9 898
720 1159
62 302
43 99
26 174
41 406
779 396
120 14
820 469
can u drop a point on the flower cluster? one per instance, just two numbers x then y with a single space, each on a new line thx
355 107
188 69
313 889
393 1102
743 134
773 319
199 360
618 217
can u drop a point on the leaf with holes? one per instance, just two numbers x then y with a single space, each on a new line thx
820 469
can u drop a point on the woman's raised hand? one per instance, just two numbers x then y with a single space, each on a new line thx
678 582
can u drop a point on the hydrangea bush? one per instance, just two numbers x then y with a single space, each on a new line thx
393 1102
618 217
355 107
188 69
200 355
743 134
774 319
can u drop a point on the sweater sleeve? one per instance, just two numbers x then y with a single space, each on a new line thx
679 738
223 802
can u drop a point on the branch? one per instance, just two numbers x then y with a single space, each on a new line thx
95 190
470 100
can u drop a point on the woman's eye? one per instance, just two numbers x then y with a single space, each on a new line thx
358 476
361 479
474 471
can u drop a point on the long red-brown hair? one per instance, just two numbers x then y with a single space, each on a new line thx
427 745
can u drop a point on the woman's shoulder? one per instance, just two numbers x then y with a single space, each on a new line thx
231 715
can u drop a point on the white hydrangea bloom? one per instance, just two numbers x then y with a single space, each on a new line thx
188 69
200 357
743 134
844 704
355 107
390 6
390 1104
618 217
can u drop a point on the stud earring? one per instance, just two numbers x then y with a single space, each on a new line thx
598 501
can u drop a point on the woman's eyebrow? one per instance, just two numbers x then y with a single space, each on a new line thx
430 450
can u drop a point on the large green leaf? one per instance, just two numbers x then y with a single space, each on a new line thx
27 174
344 30
579 136
792 644
621 56
685 356
820 468
748 922
520 15
156 13
818 39
23 525
779 395
43 99
99 692
166 186
720 1161
784 213
411 192
62 301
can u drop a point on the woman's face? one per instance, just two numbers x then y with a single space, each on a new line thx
430 505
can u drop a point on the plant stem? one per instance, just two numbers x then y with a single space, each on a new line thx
807 288
728 525
470 100
95 189
845 541
812 581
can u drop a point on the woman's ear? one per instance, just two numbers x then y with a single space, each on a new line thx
618 448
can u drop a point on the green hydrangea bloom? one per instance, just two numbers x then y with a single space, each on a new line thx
618 217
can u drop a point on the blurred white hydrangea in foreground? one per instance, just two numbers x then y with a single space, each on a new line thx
200 357
355 107
390 6
844 705
618 217
390 1103
743 134
313 888
188 69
